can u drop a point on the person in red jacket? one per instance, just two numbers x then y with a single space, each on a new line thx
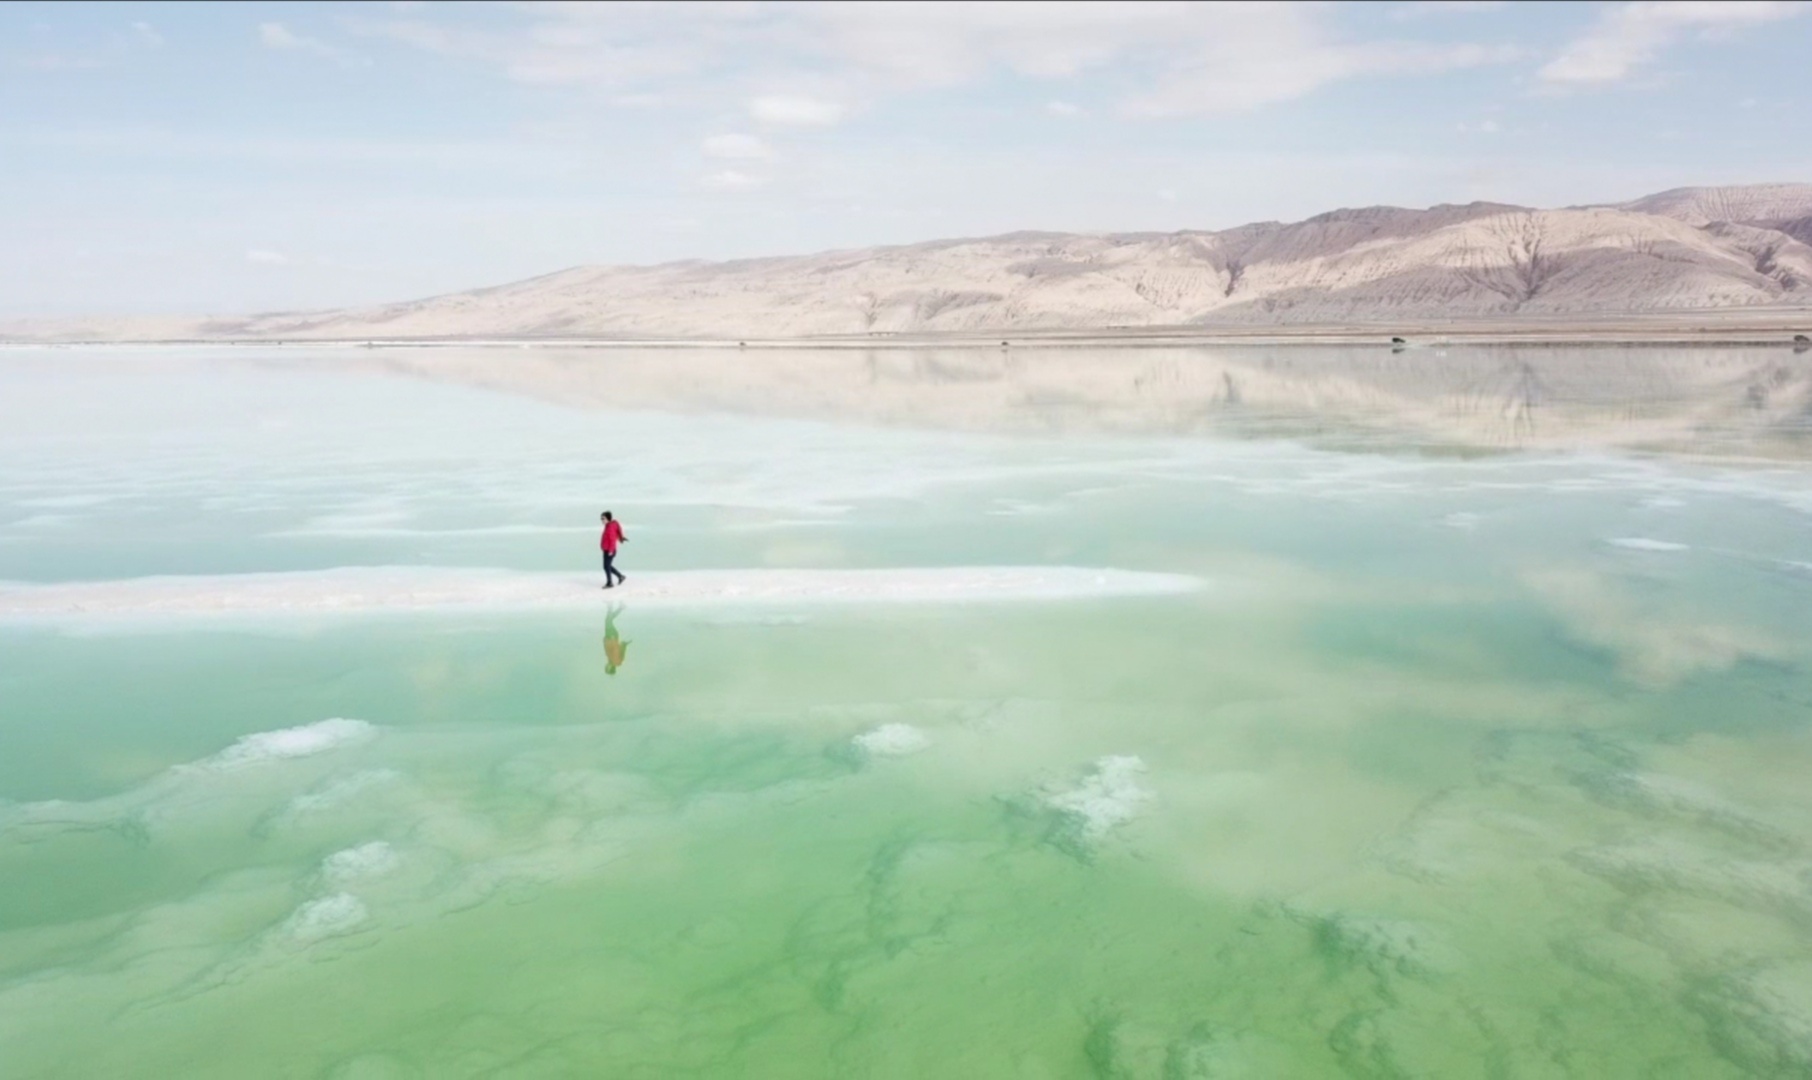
613 535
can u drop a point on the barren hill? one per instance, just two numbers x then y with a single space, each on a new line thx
1750 204
1682 250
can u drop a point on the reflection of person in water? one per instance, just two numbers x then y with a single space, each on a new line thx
615 648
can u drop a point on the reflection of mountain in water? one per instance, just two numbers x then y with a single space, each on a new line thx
1691 400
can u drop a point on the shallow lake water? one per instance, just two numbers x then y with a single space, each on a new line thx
1465 732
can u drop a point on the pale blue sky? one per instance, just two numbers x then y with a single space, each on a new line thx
235 157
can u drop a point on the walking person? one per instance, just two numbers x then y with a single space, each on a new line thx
613 535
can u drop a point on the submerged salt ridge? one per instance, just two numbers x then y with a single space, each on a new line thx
305 740
237 767
1108 797
891 740
351 590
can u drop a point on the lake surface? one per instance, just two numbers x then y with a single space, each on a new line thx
1474 741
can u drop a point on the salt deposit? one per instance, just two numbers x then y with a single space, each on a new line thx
1643 543
1109 796
361 590
305 740
892 740
371 860
330 916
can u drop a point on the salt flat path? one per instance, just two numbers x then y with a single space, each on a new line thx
394 589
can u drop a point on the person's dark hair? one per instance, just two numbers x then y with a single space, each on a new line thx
606 516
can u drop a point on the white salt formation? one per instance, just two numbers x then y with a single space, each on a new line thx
1109 796
304 740
358 590
892 740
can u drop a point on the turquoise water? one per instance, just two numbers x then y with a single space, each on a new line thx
1456 765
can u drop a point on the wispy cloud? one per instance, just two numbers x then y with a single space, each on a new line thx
1446 7
504 157
1062 108
731 180
1231 79
576 44
114 46
1629 36
275 35
265 257
61 61
796 110
1202 57
736 147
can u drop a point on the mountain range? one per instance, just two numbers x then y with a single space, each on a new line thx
1685 250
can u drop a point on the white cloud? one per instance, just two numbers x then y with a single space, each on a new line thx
940 44
796 110
277 36
731 180
54 61
1284 59
263 257
1631 35
85 57
576 44
736 147
1446 7
818 58
1209 57
274 35
1062 108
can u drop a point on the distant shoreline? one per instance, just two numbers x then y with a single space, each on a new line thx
1781 329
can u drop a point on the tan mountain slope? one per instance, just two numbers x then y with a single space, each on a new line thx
1750 204
1785 208
1371 265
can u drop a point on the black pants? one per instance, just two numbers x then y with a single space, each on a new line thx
610 569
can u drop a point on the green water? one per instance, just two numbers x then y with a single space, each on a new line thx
1439 775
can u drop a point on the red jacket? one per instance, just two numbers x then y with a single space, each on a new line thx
613 535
